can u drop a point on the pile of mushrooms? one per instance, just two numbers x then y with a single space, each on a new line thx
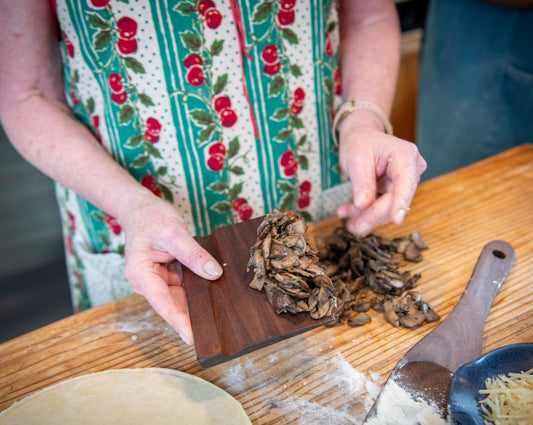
286 267
365 272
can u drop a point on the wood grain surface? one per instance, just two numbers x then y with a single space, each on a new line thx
327 375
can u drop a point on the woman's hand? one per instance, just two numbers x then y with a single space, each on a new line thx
156 236
384 171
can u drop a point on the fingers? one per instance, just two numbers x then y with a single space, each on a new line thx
197 259
363 221
168 301
393 174
182 246
362 165
404 172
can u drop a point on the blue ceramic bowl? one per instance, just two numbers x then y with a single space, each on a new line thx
464 397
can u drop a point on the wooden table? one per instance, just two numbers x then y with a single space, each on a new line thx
328 375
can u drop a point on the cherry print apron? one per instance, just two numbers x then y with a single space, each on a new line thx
221 107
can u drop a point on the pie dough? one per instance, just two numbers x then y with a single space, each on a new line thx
149 396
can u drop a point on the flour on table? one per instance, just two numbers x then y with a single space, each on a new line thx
397 407
296 380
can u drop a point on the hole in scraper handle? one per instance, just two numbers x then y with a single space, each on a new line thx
497 253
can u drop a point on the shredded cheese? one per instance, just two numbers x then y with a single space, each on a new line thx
509 399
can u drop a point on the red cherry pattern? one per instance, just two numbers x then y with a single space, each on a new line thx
285 15
212 16
127 47
329 47
69 244
152 130
204 5
217 148
222 105
96 124
195 76
113 224
297 101
270 56
74 98
221 102
127 29
228 117
119 97
337 79
150 183
287 4
72 221
288 163
217 156
215 162
115 82
304 191
192 59
98 4
272 69
242 208
70 47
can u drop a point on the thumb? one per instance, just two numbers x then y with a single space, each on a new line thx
192 255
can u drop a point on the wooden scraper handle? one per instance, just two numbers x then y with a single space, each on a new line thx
459 338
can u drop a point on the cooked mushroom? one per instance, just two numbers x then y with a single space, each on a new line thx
360 319
287 268
408 310
366 274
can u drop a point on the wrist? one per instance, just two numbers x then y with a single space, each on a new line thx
360 118
136 198
360 113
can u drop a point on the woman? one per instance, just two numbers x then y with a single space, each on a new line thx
163 120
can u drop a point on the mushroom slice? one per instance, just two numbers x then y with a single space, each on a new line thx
418 241
296 242
286 262
412 253
359 319
259 262
297 227
258 282
278 299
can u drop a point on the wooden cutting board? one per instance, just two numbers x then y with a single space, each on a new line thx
228 317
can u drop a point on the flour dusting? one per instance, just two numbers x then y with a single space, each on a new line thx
296 381
134 327
397 407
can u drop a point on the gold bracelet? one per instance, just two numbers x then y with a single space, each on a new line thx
346 108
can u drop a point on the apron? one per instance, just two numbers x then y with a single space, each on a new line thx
222 108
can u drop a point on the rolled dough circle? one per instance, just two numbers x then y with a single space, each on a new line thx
144 396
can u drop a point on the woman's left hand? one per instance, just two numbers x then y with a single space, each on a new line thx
384 171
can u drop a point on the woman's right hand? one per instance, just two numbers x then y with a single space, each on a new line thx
157 244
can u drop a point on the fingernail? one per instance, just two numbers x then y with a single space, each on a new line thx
400 215
186 339
212 268
360 200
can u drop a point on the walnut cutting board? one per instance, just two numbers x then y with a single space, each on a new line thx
228 317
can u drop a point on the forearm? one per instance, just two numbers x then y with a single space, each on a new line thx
370 54
49 137
37 120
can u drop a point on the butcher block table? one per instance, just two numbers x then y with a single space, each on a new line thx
327 375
